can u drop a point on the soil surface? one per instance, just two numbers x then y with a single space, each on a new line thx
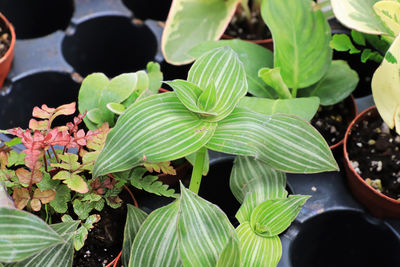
374 152
5 38
332 121
104 241
240 27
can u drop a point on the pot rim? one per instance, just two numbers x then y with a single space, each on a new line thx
356 121
13 38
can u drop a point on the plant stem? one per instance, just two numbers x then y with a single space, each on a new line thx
294 92
197 173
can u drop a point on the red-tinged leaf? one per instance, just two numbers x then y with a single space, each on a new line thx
109 183
45 196
3 159
35 204
67 109
99 137
24 176
21 197
80 138
38 125
42 113
17 132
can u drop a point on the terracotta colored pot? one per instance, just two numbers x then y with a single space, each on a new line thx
377 203
350 102
5 61
267 43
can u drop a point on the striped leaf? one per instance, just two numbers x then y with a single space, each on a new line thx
257 250
230 255
60 255
304 107
386 86
221 68
205 233
253 57
359 15
273 216
191 22
189 232
285 142
156 243
301 44
23 234
252 182
134 219
249 174
188 93
157 128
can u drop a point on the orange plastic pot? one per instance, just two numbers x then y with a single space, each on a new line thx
377 203
6 60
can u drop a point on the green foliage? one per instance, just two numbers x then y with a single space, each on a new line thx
32 241
186 128
176 236
149 183
343 43
103 99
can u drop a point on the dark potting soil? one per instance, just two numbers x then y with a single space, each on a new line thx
240 27
5 38
374 152
332 121
104 241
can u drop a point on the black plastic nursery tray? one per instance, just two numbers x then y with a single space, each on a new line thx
59 42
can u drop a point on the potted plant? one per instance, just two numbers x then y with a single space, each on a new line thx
7 43
200 114
377 192
302 66
212 122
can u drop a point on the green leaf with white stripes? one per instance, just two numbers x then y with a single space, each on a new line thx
252 182
273 216
205 234
157 128
230 255
189 232
156 243
188 93
249 174
60 255
23 234
285 142
301 44
253 57
134 219
222 69
191 22
207 99
257 250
